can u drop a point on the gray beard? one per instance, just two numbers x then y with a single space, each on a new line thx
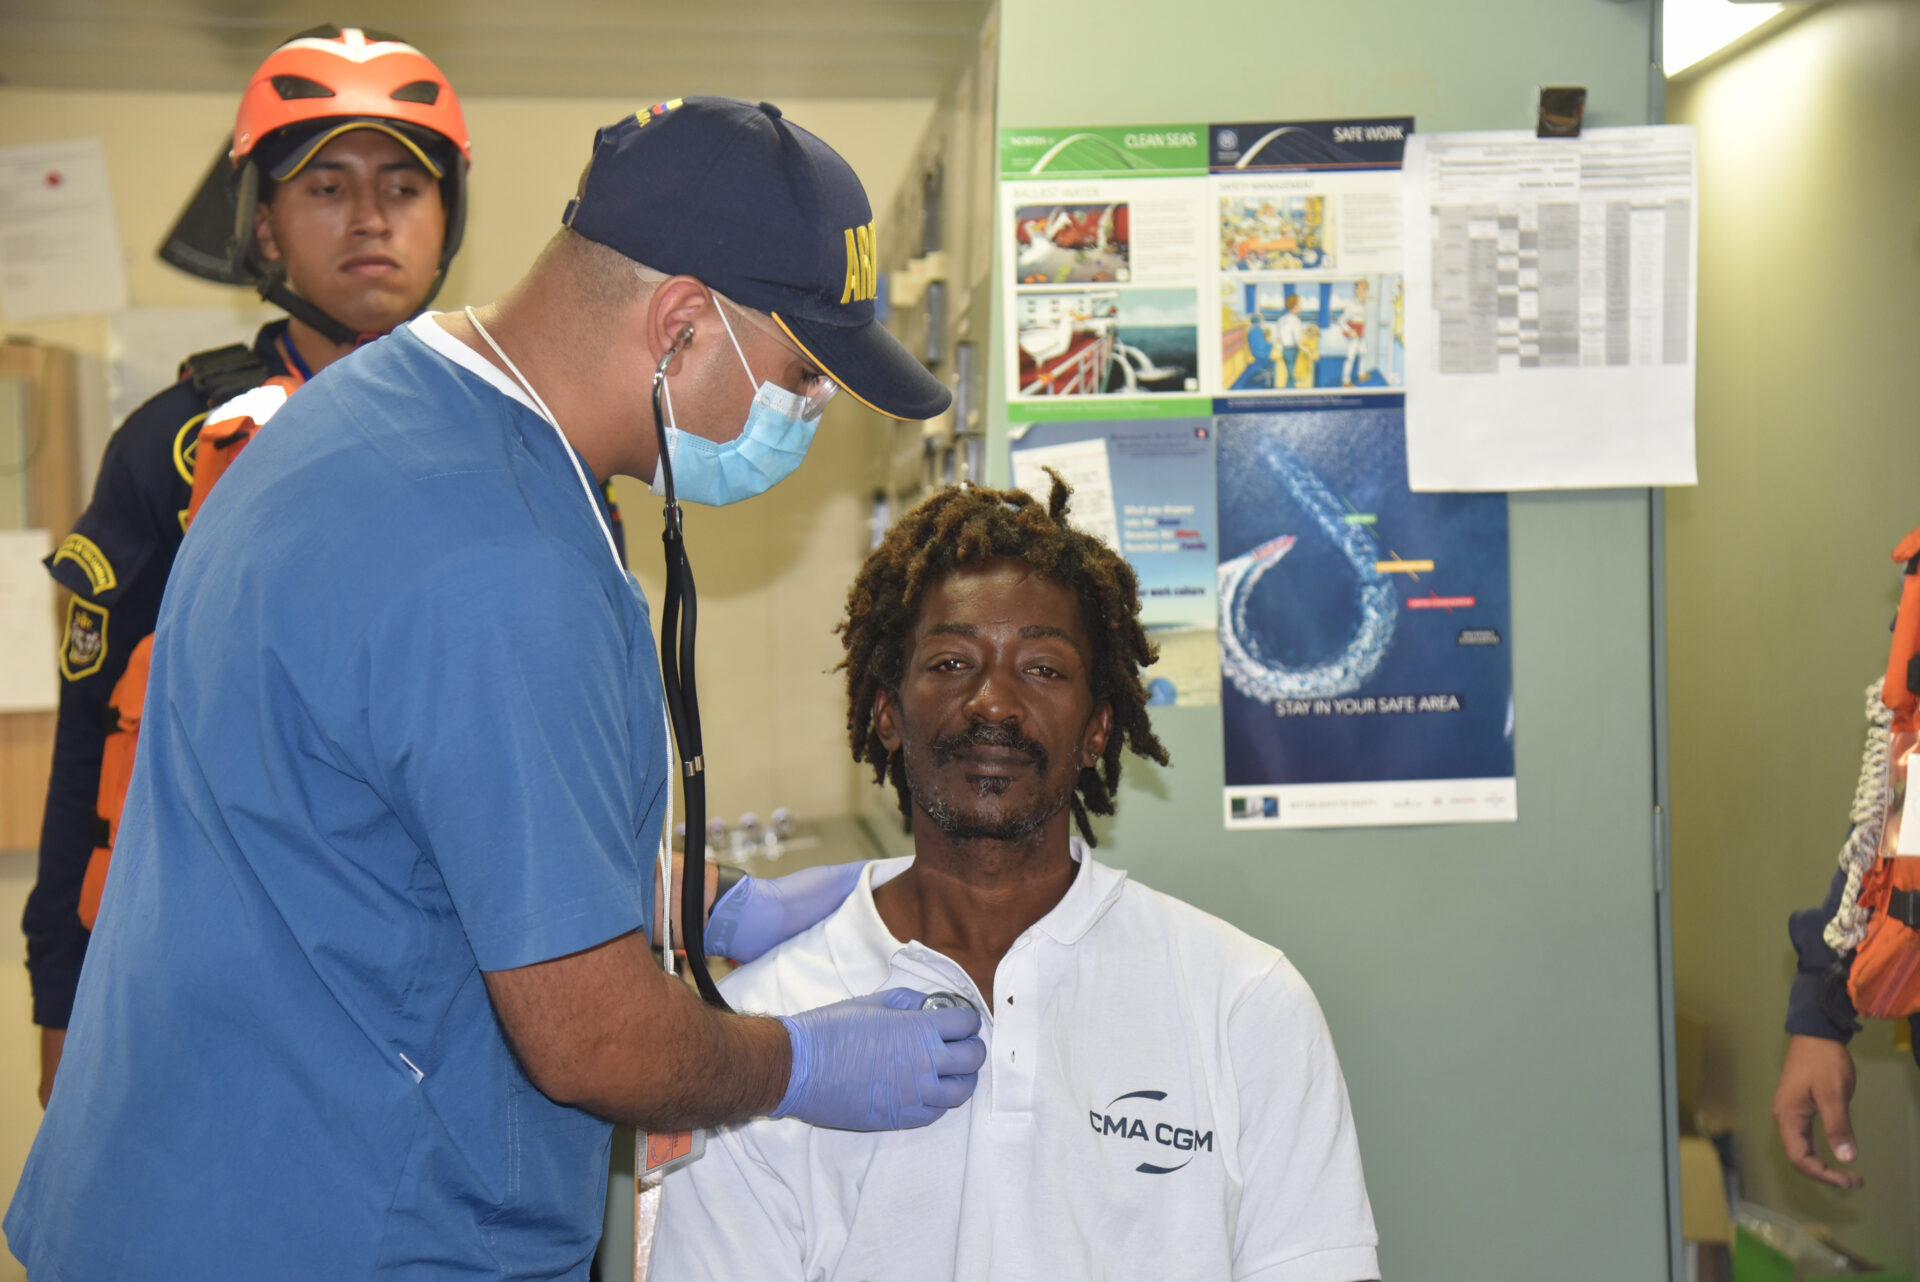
1017 827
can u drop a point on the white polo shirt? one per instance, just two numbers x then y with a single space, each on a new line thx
1160 1101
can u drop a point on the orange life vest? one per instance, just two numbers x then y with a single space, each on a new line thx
1884 980
226 432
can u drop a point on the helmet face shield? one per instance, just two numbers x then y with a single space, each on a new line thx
202 240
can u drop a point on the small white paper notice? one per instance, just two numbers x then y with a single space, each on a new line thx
59 245
1083 465
1550 309
1909 843
27 629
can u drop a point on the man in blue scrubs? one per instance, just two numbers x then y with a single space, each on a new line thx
369 980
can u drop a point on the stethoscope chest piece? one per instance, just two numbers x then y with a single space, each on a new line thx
945 1001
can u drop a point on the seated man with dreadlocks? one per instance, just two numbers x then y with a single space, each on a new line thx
1160 1098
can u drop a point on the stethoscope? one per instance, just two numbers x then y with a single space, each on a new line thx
679 621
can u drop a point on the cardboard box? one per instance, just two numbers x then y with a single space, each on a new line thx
1704 1215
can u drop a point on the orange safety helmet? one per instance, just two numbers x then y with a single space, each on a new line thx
318 85
348 78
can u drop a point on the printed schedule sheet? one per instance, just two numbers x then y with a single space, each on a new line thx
1551 309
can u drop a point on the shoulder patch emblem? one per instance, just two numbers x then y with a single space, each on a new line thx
93 563
85 647
185 442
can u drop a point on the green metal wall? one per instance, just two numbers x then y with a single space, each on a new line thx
1496 991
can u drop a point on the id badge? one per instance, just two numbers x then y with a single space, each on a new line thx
658 1152
654 1154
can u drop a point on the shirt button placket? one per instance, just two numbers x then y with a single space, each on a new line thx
1015 1006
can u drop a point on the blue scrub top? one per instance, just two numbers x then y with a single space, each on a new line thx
404 726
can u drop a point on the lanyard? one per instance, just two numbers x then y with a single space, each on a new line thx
291 355
573 456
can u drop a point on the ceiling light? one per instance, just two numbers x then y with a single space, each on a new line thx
1697 29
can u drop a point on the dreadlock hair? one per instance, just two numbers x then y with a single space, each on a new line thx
963 526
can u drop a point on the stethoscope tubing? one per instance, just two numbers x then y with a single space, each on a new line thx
679 625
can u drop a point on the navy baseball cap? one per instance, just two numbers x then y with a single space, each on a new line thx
749 203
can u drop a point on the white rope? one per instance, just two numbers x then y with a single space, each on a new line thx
1869 816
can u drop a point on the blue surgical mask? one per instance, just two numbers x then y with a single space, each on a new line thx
779 429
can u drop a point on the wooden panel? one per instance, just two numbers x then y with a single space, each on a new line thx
52 375
26 756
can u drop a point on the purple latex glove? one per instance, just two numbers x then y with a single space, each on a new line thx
759 912
880 1063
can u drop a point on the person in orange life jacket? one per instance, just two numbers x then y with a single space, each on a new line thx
1844 946
1817 1074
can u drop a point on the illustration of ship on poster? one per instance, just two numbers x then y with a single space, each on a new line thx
1364 629
1308 256
1103 342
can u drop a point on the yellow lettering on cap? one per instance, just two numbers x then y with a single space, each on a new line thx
863 272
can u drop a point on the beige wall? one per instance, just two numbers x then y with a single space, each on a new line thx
1780 588
773 574
528 152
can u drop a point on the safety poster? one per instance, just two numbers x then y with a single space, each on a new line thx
1365 630
1237 260
1104 247
1205 335
1145 486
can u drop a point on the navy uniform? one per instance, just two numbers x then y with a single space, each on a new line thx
116 562
1818 1004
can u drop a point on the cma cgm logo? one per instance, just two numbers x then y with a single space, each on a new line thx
1136 1117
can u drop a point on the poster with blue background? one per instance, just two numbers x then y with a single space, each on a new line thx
1146 487
1364 630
